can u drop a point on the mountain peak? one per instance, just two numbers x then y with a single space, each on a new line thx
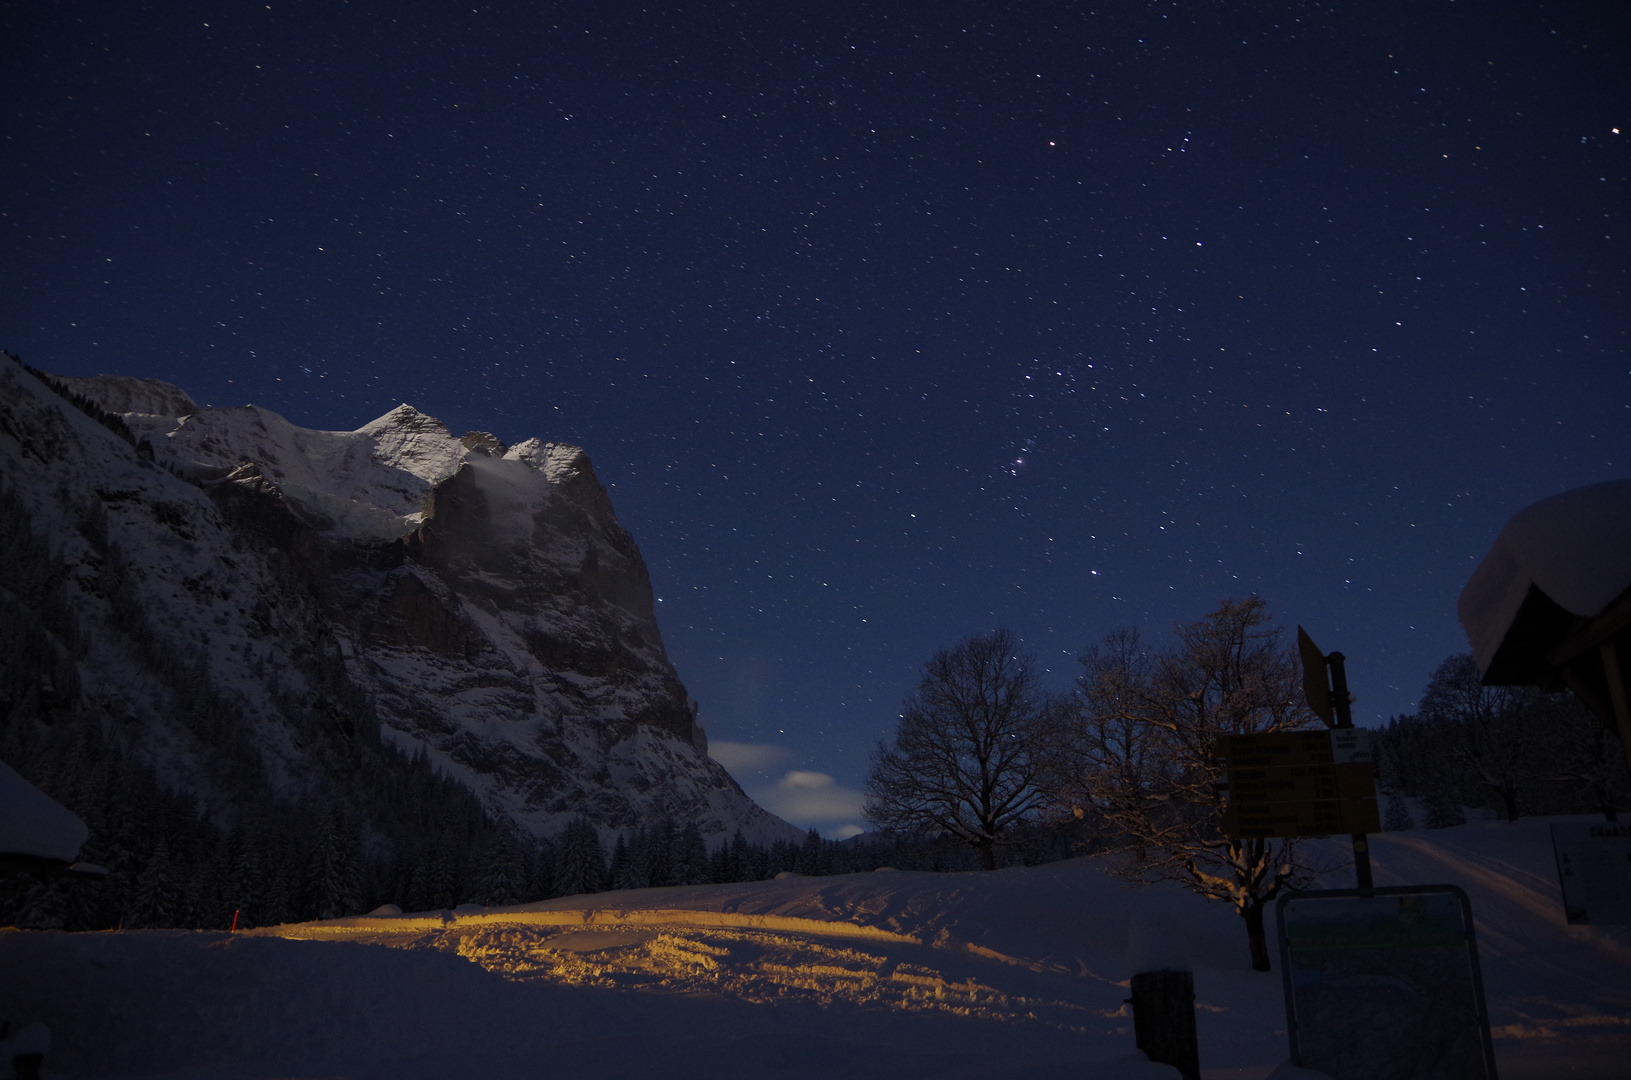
127 394
484 442
405 418
474 605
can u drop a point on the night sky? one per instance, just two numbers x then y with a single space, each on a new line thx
885 323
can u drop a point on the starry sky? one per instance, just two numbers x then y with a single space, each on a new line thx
885 323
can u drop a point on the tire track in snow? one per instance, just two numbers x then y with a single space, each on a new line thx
753 957
608 916
1497 881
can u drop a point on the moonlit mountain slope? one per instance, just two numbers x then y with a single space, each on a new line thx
239 596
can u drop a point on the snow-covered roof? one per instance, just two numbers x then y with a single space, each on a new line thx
1556 562
34 824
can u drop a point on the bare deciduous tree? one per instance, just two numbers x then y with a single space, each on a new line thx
968 755
1514 749
1588 758
1143 743
1497 737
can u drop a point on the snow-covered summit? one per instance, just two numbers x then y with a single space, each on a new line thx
232 587
124 394
371 484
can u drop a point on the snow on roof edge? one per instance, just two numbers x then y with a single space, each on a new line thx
1574 547
33 823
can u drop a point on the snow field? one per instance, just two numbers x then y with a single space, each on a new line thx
1017 973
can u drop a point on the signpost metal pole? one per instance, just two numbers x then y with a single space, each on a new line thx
1338 946
1342 702
1325 686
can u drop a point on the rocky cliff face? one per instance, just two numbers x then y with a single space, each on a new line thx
244 601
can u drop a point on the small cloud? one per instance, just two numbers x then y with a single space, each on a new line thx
741 759
800 780
802 797
811 799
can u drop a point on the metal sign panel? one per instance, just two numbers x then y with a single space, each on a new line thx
1273 748
1302 783
1384 984
1352 744
1327 817
1298 783
1316 683
1594 869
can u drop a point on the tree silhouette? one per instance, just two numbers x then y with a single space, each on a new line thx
968 757
1144 735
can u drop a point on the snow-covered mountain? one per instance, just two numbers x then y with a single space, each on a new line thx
247 602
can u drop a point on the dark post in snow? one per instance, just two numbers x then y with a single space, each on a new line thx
1164 1020
1328 696
1342 701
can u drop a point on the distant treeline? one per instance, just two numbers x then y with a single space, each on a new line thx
170 866
112 421
222 837
1508 751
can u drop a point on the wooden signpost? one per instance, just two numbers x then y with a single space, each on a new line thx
1305 783
1379 982
1298 783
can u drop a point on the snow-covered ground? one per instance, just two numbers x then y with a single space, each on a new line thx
1018 973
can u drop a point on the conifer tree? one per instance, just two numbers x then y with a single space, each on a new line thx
581 866
809 856
690 857
331 874
279 905
618 870
548 865
1443 810
155 899
500 879
42 903
442 877
633 870
1398 817
662 842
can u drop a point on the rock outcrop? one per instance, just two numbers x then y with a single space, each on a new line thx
236 596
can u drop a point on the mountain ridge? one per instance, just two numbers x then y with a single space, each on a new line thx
454 597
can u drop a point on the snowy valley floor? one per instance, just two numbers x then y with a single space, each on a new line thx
1017 973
